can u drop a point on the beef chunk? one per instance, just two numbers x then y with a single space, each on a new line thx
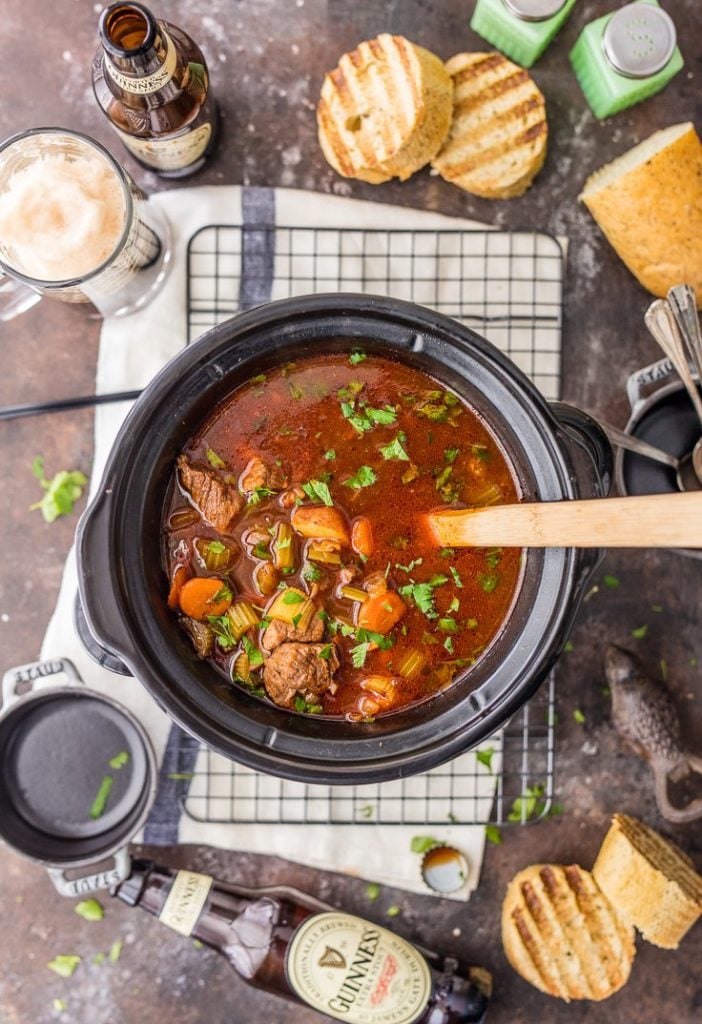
217 501
201 635
279 632
295 668
254 476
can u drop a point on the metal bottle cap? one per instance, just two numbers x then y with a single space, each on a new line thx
444 869
534 10
639 40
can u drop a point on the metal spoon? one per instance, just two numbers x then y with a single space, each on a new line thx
633 444
683 302
661 323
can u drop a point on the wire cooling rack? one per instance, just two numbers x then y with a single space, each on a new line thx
506 285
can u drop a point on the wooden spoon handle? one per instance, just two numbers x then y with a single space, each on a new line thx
642 521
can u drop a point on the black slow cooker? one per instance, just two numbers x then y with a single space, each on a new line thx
556 452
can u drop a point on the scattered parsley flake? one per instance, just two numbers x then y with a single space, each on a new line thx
455 604
485 757
412 565
447 625
292 597
610 581
447 552
456 578
181 776
60 1005
216 547
357 357
330 455
60 493
448 644
64 965
254 655
386 415
567 646
488 581
450 455
115 951
98 806
393 911
372 891
325 652
493 834
530 805
579 716
119 760
367 811
640 632
657 608
311 572
90 910
421 844
664 670
222 627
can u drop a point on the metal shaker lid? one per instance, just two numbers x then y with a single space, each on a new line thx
534 10
639 40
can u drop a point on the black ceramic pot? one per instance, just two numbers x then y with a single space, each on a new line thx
556 452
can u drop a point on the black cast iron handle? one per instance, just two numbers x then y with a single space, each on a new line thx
583 436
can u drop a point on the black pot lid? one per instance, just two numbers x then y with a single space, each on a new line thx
57 760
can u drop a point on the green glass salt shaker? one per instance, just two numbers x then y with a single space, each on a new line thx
521 29
625 57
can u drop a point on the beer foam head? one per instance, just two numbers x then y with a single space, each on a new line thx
61 216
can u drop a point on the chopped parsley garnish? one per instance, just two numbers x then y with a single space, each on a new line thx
471 623
485 757
296 391
394 450
408 568
448 644
612 582
351 390
292 597
223 594
579 716
493 834
100 801
318 490
359 421
439 407
393 911
222 628
480 452
423 596
438 580
330 455
531 805
493 557
373 891
115 951
119 760
311 572
296 620
447 625
447 552
410 474
386 415
455 604
488 581
305 707
450 455
365 477
357 357
260 550
60 493
325 652
567 646
258 494
215 460
216 547
252 652
259 379
640 632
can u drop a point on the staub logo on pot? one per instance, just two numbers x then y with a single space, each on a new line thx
356 971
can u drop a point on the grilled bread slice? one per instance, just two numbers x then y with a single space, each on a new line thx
497 142
652 883
648 202
385 110
562 934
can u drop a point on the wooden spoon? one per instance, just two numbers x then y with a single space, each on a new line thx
640 521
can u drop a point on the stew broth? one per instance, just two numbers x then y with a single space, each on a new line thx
295 545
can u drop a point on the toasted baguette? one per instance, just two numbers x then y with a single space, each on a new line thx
563 936
497 142
652 884
385 110
648 203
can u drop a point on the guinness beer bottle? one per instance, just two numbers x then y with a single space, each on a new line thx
294 946
151 81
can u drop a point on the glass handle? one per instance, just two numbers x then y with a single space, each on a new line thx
15 297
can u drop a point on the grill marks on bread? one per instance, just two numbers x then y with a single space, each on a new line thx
385 110
561 933
497 142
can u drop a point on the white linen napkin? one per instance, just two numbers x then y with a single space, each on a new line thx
131 352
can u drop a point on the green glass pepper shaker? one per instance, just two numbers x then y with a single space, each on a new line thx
521 29
623 58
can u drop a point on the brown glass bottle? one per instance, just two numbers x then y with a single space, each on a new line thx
151 81
289 944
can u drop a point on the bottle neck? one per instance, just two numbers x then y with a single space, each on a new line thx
140 56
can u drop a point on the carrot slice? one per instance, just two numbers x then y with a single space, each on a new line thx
180 576
381 612
362 536
204 595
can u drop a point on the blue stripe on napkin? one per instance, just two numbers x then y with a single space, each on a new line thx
257 246
179 757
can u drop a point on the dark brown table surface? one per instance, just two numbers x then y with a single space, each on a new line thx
267 59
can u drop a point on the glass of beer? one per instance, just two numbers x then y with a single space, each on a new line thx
75 227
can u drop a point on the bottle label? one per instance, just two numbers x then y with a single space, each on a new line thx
356 971
145 85
169 154
185 901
